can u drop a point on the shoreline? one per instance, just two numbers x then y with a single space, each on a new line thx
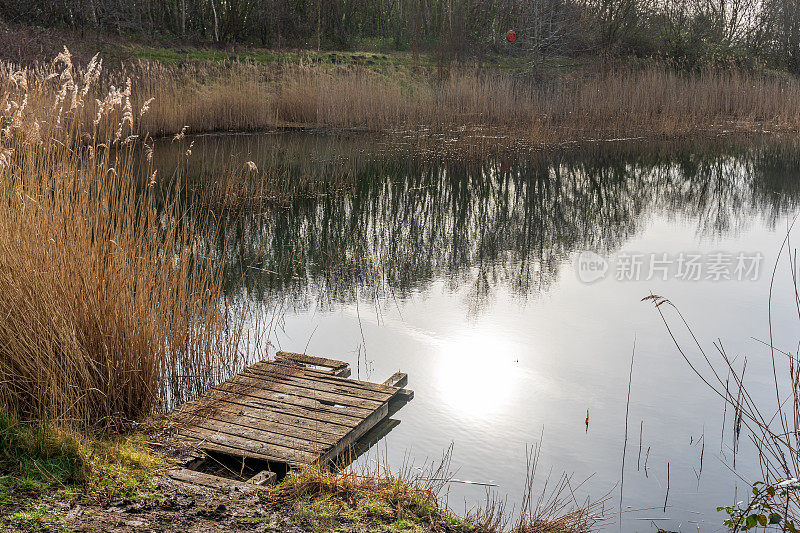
126 486
480 101
513 143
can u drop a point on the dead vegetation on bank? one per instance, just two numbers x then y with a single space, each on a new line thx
613 101
321 500
608 100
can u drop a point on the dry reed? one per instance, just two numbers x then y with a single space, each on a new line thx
611 102
108 305
768 412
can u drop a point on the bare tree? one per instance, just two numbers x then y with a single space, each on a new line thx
550 27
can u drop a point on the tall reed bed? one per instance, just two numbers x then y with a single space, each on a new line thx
610 101
108 305
613 102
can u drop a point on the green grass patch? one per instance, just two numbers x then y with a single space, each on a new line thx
121 467
379 61
38 461
34 457
329 513
35 517
171 55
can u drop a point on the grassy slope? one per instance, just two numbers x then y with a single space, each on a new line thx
375 60
29 45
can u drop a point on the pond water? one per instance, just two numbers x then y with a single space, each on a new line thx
508 286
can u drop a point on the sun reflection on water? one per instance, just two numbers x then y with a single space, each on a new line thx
478 374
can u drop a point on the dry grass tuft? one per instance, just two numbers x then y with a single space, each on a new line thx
556 507
768 411
415 494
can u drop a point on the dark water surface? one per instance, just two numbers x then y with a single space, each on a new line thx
466 273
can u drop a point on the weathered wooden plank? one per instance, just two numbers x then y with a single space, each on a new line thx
255 384
238 388
325 376
264 430
404 394
342 372
208 480
366 441
282 423
321 374
303 416
349 440
265 477
398 379
322 413
282 431
320 393
304 378
272 368
199 443
235 427
236 445
398 402
300 380
304 359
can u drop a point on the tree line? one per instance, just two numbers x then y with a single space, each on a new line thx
690 32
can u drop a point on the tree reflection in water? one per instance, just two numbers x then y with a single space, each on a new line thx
408 217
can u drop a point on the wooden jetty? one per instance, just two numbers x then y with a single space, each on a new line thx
290 412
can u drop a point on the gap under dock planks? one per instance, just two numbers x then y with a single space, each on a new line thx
290 412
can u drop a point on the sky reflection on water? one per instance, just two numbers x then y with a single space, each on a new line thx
462 274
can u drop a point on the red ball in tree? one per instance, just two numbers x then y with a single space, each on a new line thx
511 36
